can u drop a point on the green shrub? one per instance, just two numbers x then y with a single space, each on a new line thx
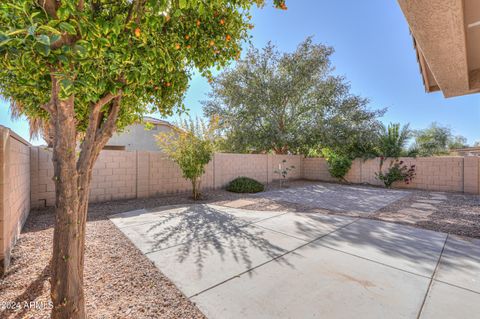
397 171
245 185
338 164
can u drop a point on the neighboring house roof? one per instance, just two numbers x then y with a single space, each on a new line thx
138 137
446 37
155 121
473 149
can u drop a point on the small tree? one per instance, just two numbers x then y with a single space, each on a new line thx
437 140
283 171
191 147
393 139
338 164
397 171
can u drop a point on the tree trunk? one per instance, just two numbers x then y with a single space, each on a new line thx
70 213
196 188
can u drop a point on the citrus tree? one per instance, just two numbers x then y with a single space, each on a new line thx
191 146
85 68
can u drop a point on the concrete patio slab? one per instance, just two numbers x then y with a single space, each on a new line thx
460 263
335 197
201 264
317 282
447 302
305 226
165 227
236 263
403 247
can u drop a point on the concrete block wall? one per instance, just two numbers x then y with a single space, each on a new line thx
443 173
140 174
14 190
471 175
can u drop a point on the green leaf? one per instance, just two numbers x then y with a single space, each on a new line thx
67 27
63 13
80 50
43 39
42 48
17 32
182 4
49 29
32 29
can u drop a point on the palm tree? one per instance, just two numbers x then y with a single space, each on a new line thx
393 139
39 127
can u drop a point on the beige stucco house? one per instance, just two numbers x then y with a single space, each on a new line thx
139 137
446 35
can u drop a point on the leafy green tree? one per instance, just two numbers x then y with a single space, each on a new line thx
393 139
436 140
86 68
287 103
192 147
457 142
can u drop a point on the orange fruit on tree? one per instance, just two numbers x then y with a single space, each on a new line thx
137 32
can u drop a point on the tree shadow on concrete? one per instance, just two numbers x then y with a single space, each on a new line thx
201 231
380 241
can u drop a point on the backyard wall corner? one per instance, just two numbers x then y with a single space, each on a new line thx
14 191
471 181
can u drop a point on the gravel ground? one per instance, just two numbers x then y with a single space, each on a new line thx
453 213
120 282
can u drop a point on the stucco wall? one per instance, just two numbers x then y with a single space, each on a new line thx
137 137
14 190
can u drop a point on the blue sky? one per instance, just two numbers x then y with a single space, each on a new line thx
373 49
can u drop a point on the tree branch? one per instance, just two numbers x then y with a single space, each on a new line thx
107 129
65 39
50 7
48 106
87 154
